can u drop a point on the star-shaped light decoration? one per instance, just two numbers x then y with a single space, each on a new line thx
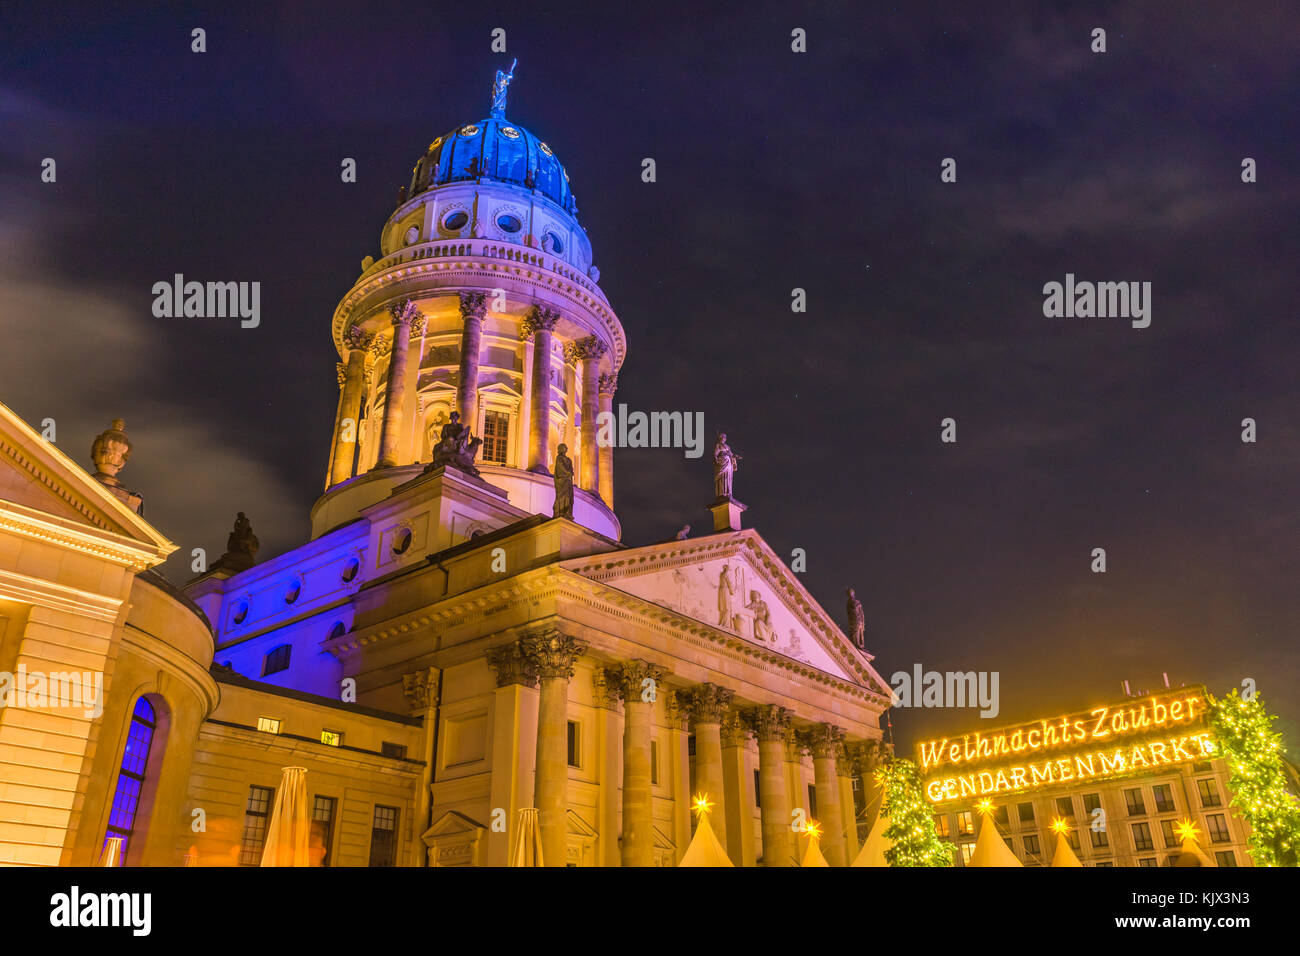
1186 830
1060 826
813 829
985 806
702 804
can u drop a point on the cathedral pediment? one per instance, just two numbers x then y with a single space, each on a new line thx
735 583
44 493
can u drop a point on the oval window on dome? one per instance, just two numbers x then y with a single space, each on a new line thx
351 568
545 149
412 234
455 221
435 144
553 242
508 223
509 132
470 130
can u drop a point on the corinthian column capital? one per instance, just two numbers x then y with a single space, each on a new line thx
538 318
421 688
552 654
403 313
735 732
707 703
358 338
628 679
589 348
822 740
473 305
511 665
608 383
768 722
417 326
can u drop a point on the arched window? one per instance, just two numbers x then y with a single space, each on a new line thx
130 780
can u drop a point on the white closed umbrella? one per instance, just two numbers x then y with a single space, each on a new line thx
289 832
527 848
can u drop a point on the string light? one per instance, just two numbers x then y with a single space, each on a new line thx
911 824
1257 779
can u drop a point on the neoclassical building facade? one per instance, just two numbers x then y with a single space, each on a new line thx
445 651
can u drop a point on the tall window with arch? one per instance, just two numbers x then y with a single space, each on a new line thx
131 776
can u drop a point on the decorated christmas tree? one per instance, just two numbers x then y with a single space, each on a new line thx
911 825
1253 752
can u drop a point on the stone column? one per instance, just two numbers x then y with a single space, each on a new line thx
570 375
609 764
848 812
770 724
403 313
823 740
523 424
473 306
739 822
541 325
630 680
590 350
514 743
409 448
676 757
707 704
347 428
422 691
608 385
553 655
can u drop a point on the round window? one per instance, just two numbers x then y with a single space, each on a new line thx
402 541
241 612
545 149
553 242
509 223
509 132
455 221
470 130
412 234
351 568
292 591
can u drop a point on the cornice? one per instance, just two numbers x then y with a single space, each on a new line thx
555 583
465 273
27 524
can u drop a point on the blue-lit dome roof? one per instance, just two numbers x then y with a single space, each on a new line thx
497 149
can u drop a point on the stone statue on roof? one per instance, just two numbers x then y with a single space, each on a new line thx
499 87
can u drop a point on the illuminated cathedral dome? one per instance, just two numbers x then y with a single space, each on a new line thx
496 149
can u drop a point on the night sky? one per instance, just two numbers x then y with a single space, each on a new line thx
775 170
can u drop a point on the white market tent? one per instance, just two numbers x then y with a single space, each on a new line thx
990 848
705 850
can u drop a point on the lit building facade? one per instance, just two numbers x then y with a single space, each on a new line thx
443 651
1121 789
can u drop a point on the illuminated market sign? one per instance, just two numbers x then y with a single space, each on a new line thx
1109 741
